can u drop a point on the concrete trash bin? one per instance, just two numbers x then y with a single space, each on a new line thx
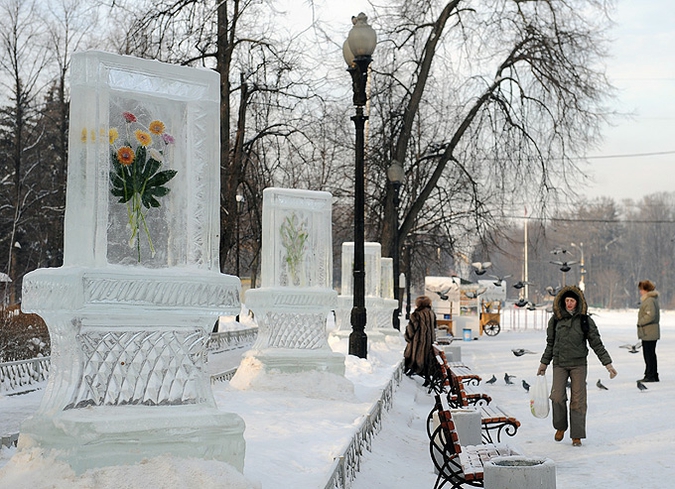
518 472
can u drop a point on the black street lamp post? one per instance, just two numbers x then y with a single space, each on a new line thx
396 176
357 51
408 279
240 208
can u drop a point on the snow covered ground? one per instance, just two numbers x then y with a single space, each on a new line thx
294 431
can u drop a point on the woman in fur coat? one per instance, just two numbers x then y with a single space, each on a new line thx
420 334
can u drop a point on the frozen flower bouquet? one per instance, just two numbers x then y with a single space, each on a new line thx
136 175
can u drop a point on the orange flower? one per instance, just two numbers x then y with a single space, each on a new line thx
156 127
125 155
143 138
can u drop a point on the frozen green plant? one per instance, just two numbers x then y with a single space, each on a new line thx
294 237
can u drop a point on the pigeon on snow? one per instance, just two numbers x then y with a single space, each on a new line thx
526 386
492 380
507 379
641 386
600 386
519 352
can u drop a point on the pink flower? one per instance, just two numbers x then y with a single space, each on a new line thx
168 138
129 117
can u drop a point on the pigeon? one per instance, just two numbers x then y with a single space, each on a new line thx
564 265
473 295
641 386
526 386
632 348
498 280
442 293
600 386
521 303
492 380
531 306
507 379
480 268
559 251
520 284
519 352
552 291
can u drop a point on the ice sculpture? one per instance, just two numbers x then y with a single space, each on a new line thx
379 307
130 311
292 305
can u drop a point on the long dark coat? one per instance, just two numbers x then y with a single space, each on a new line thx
420 335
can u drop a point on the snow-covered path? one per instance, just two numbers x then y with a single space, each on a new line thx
630 433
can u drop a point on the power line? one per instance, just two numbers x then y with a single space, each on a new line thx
627 155
602 221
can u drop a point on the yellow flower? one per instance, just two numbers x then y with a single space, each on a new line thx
92 135
156 127
125 155
113 135
143 138
84 135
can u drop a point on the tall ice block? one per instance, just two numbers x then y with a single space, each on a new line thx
130 311
296 297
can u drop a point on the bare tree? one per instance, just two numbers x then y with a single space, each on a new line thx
22 64
497 99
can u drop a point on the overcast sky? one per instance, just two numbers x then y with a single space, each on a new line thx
643 70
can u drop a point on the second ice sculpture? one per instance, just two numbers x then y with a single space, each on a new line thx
130 311
292 305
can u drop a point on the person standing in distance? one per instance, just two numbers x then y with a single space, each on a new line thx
648 328
420 335
569 331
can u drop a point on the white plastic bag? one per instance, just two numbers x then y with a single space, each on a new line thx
539 397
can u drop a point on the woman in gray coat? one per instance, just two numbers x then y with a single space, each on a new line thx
648 328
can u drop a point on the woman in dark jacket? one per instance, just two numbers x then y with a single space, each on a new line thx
648 328
420 334
569 331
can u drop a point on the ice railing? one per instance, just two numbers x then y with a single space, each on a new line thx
346 466
20 375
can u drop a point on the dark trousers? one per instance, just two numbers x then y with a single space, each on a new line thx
649 353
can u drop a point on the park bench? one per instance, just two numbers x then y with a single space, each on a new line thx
494 420
456 464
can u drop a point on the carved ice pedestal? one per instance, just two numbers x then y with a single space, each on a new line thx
130 311
379 305
293 303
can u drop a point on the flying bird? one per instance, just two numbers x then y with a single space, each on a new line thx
520 284
492 380
526 386
531 306
558 251
600 385
552 291
632 348
442 293
507 379
565 265
481 267
519 352
641 386
474 294
521 303
498 280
